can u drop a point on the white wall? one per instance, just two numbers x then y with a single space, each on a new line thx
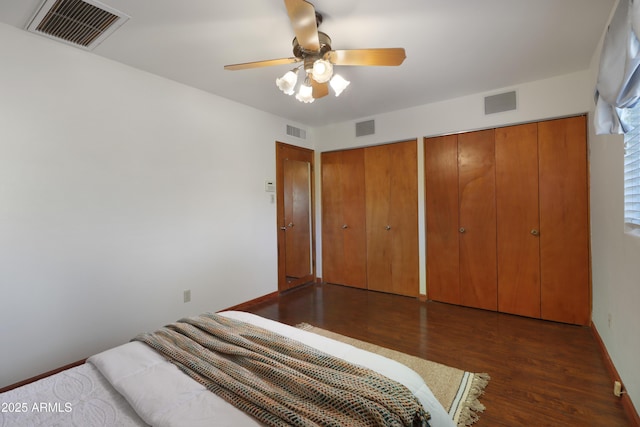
555 97
615 258
119 190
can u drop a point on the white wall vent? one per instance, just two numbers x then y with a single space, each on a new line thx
500 103
366 128
81 23
297 132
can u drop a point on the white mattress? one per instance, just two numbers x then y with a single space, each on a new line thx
78 397
132 384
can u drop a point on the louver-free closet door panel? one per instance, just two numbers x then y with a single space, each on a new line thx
441 179
392 218
344 249
476 174
564 221
518 220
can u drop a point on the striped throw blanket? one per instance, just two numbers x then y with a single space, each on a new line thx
280 381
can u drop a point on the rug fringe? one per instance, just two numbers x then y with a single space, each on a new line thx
472 406
304 326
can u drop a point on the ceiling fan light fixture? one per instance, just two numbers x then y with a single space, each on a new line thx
305 93
287 83
312 48
322 70
338 84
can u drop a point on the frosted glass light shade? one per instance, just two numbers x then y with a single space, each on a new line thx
322 71
305 94
287 83
339 83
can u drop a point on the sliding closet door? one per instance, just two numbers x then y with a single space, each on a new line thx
518 220
477 225
441 182
564 221
344 249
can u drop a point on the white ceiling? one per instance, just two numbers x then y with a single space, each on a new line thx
454 48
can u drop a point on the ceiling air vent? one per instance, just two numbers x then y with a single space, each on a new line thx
81 23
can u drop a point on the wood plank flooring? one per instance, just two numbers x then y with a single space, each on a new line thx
542 373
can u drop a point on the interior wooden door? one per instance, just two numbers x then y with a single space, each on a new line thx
344 249
518 223
297 217
294 190
477 224
564 221
392 218
441 189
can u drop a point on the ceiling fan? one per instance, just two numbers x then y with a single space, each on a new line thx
313 49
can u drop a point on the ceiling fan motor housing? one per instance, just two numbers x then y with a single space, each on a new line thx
325 46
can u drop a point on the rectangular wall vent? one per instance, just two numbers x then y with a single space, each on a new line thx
500 102
81 23
297 132
366 128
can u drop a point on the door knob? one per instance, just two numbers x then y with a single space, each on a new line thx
290 225
462 230
283 228
388 227
535 232
345 226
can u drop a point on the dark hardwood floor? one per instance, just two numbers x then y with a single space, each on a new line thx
542 373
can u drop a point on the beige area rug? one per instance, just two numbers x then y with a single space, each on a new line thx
458 391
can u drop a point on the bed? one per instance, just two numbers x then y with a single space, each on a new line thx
134 385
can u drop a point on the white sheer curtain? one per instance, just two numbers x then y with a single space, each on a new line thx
618 96
618 85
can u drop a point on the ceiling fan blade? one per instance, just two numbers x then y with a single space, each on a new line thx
382 56
319 89
303 19
258 64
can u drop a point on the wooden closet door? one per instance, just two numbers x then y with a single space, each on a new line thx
477 225
441 186
564 222
518 222
404 219
344 250
392 218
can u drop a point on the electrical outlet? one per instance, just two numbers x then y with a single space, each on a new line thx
187 295
617 388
